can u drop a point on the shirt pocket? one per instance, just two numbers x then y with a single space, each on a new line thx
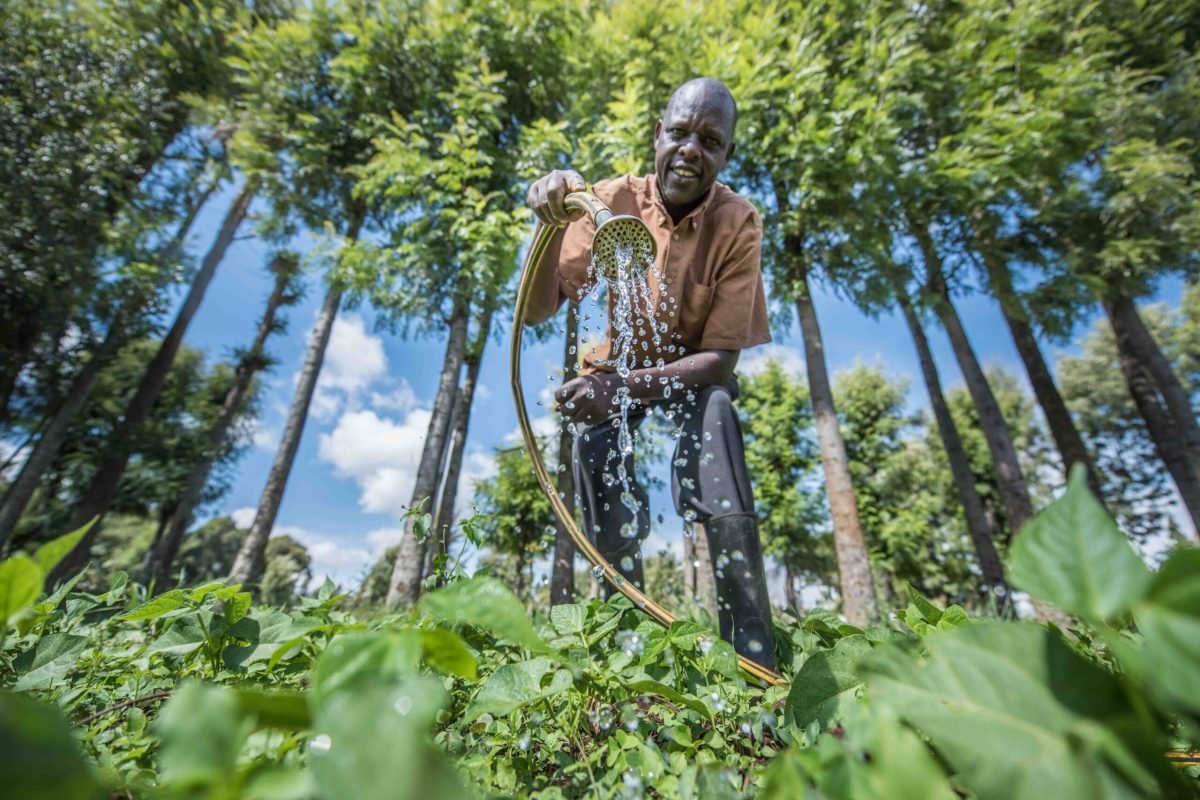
694 306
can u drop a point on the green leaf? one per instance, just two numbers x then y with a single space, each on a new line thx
485 603
48 661
447 652
184 636
372 744
828 681
202 729
275 709
20 586
1073 555
928 611
1169 620
48 555
355 659
883 758
569 619
649 686
1017 714
265 630
514 685
157 606
39 754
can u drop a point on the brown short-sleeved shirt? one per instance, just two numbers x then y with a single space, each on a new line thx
711 267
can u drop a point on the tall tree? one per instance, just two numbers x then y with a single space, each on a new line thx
443 519
1138 490
103 488
308 177
978 525
783 460
160 558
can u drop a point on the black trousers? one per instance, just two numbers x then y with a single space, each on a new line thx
708 473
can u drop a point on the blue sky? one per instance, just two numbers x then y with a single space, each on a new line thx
354 471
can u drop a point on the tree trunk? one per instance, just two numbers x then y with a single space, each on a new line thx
50 442
250 562
1010 482
982 534
103 488
160 559
1166 438
444 519
790 596
1125 320
562 573
1062 428
854 565
405 584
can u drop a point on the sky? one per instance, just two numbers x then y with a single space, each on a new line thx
354 472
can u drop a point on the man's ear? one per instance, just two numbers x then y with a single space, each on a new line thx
657 129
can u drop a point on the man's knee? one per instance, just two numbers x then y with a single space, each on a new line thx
717 402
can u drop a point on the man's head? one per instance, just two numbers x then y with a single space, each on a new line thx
693 141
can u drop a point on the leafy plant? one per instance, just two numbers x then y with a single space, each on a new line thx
197 694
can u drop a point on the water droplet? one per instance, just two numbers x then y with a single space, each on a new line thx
403 705
321 743
754 646
523 742
626 564
726 505
597 572
705 645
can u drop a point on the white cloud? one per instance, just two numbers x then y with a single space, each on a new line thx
400 399
354 360
380 454
243 517
381 539
791 359
266 437
343 563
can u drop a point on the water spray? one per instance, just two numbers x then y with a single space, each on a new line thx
621 242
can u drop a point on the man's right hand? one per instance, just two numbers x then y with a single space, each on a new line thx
547 194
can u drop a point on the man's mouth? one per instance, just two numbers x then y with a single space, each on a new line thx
687 173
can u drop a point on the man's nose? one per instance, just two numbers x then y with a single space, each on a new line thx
690 147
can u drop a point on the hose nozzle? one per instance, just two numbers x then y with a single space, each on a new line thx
618 236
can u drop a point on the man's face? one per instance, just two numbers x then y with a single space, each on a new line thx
692 143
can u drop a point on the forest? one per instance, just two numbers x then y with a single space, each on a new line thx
986 576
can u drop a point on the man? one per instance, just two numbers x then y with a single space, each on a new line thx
708 289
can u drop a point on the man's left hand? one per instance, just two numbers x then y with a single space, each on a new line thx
588 399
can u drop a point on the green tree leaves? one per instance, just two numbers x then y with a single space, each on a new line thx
1073 555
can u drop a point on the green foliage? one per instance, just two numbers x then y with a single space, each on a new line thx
471 698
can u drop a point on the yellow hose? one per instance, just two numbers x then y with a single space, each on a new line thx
537 249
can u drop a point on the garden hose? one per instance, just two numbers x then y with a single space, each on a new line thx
609 227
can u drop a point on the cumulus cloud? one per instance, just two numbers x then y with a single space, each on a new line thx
380 454
243 517
755 361
341 561
354 362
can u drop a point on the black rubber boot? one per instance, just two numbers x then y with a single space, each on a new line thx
743 605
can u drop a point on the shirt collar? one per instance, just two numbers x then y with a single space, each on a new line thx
695 216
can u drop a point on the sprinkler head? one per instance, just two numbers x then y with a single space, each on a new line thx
623 236
617 235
